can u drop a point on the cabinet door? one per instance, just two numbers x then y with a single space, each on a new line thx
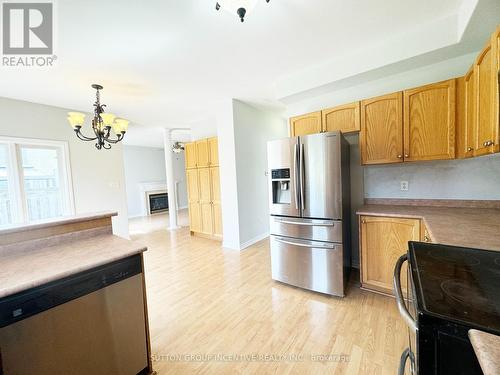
429 122
345 118
486 129
381 137
496 86
466 114
205 200
190 151
305 124
213 146
202 153
193 200
216 205
383 241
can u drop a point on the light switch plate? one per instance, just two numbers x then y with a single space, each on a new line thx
404 185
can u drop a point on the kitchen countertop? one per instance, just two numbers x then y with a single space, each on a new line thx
487 349
26 266
467 227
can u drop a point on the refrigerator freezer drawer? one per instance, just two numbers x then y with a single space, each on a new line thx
312 265
309 229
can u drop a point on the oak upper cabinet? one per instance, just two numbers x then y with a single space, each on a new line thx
202 153
216 203
486 73
466 115
305 124
190 155
193 200
213 148
381 136
429 122
345 118
383 241
495 41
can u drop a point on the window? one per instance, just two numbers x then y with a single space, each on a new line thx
35 181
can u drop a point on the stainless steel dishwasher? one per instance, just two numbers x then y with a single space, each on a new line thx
92 322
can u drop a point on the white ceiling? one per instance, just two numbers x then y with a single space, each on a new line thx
166 63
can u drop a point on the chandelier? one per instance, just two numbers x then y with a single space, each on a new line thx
239 7
101 124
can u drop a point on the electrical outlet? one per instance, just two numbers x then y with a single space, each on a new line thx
404 185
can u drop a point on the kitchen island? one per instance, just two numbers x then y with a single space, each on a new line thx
72 299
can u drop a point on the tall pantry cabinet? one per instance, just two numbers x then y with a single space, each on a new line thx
203 185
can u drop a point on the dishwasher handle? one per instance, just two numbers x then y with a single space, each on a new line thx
403 310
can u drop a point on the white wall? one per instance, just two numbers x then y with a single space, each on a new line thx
228 179
243 132
142 164
253 128
147 164
98 176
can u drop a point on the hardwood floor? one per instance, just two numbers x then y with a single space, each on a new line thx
205 300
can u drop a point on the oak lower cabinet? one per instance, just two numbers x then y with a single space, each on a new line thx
310 123
193 200
381 136
344 118
429 121
382 241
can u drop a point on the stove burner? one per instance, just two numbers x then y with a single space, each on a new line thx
455 257
465 293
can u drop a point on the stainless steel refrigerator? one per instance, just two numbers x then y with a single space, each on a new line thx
309 206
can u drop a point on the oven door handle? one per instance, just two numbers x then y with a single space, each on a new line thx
399 294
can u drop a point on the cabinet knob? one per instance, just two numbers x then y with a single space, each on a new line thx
488 143
469 149
400 156
407 155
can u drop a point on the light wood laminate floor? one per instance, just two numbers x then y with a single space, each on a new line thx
207 301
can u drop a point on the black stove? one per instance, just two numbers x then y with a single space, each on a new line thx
458 283
453 289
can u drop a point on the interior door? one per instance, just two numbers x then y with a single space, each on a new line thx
320 176
283 171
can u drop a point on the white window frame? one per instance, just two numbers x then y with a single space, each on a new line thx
16 177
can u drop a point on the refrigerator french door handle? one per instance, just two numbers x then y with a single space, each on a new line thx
296 175
399 294
329 224
309 245
302 176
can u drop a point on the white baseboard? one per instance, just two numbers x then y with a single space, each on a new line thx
256 239
181 208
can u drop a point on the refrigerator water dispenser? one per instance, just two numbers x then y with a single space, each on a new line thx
281 186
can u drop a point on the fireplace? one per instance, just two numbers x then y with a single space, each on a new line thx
157 203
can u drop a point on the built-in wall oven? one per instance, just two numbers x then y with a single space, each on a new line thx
450 291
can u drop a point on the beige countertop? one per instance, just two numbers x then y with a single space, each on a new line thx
28 264
467 227
487 349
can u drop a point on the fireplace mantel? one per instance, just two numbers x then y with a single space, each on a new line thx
148 188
